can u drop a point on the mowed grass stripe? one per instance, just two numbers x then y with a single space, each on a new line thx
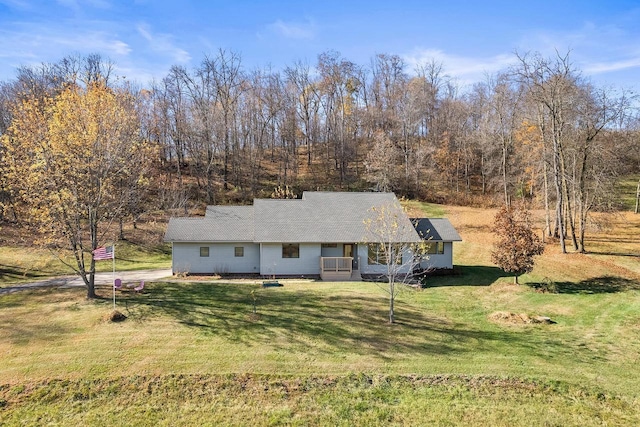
356 399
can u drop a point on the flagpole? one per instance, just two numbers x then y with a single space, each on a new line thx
113 274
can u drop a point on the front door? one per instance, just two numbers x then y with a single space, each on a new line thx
351 250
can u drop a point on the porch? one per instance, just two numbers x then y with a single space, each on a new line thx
338 269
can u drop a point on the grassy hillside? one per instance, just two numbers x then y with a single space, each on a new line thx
627 188
318 353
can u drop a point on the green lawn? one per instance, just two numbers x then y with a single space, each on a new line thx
321 352
422 209
627 188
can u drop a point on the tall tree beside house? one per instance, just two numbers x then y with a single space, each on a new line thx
516 245
72 159
393 243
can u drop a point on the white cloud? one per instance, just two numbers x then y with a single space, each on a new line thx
163 43
465 69
594 49
607 67
30 40
17 4
133 73
90 42
120 47
292 30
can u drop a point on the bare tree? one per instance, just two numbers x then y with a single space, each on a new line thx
595 110
381 164
338 85
552 85
227 79
393 243
505 105
308 104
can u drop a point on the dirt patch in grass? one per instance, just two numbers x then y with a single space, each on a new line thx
115 316
506 317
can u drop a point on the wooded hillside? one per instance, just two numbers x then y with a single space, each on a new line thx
225 134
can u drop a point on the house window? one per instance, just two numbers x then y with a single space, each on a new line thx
239 251
204 251
329 245
373 254
377 253
290 250
435 248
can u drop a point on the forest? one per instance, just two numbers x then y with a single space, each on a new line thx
538 131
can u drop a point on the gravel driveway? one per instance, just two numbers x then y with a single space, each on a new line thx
100 279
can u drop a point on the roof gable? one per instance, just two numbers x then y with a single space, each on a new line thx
436 229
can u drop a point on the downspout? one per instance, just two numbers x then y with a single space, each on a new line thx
261 258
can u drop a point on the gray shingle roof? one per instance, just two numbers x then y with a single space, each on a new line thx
436 229
220 224
319 217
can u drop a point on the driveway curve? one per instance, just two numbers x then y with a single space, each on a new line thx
100 279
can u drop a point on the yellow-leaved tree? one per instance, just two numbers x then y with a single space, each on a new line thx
74 161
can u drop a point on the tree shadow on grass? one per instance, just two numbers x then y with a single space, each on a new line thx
311 320
596 285
14 273
29 325
632 255
467 275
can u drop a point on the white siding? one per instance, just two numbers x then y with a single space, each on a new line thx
337 251
444 260
366 268
273 263
221 259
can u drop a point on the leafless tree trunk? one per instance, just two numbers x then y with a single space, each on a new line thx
637 197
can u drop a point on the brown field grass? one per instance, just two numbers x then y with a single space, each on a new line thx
612 243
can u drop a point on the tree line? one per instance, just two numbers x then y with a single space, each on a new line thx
219 133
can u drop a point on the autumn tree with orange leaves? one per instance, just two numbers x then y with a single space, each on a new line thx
516 245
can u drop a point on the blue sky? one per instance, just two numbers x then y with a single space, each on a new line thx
471 38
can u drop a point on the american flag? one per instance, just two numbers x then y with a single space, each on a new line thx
102 253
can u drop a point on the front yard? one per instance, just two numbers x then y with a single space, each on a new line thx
320 351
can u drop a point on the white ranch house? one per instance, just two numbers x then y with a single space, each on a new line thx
322 234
